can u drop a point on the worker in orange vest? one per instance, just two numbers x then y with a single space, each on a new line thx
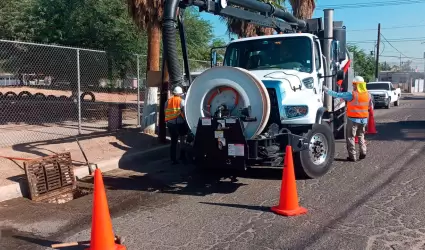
174 117
358 103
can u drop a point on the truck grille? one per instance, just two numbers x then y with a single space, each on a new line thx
378 97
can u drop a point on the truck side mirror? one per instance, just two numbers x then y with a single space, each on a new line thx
213 58
340 35
335 50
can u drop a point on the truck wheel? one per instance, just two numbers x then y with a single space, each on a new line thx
389 105
317 160
397 103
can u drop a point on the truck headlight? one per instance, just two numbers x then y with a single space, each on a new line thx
296 111
308 82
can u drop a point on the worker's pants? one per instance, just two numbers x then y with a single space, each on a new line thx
176 130
355 129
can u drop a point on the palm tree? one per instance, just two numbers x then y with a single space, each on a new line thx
303 9
147 14
242 28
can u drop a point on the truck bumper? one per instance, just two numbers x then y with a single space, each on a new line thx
378 102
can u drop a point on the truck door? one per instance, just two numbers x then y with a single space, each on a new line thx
393 93
318 63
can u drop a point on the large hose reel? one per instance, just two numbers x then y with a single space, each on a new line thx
227 91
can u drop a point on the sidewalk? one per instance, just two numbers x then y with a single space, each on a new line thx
104 149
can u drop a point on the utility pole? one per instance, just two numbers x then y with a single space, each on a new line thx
377 52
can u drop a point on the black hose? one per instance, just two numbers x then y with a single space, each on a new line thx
169 41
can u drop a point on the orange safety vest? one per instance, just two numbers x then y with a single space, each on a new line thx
173 110
359 106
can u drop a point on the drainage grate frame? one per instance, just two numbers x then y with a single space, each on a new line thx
50 176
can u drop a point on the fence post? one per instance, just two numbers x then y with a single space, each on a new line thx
79 91
138 91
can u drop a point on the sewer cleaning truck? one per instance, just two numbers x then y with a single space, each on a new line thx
269 92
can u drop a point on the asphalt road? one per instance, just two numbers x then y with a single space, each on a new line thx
377 203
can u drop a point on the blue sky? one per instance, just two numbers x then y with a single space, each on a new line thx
362 23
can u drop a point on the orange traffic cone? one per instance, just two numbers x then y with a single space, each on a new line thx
371 127
102 235
288 203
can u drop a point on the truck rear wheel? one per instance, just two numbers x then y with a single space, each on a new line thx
317 160
397 103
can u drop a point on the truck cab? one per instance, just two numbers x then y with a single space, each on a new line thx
384 94
289 66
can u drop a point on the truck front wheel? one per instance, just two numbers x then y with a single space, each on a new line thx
389 104
317 160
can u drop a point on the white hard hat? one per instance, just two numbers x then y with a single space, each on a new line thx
358 79
177 90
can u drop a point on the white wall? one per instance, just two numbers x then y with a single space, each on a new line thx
418 86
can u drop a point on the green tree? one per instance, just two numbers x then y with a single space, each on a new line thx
98 24
385 66
364 63
218 42
199 33
406 66
13 21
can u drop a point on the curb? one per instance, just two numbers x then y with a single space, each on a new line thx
17 190
112 164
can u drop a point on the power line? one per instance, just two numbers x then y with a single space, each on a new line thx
393 27
367 4
370 4
392 45
403 57
410 39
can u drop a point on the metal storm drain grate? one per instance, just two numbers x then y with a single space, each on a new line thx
50 177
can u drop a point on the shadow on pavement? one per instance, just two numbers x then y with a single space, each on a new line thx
154 173
182 179
45 243
186 180
402 130
250 207
414 98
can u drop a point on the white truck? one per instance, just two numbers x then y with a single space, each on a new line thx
384 94
269 92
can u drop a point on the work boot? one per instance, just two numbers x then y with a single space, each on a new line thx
362 156
351 159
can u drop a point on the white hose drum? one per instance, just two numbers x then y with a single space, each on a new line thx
236 88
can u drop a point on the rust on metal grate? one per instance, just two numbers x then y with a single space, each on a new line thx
50 176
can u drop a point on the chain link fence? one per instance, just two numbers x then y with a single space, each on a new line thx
51 92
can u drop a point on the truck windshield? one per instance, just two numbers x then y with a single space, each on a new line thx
273 53
378 86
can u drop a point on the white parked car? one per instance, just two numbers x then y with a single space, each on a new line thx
384 94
